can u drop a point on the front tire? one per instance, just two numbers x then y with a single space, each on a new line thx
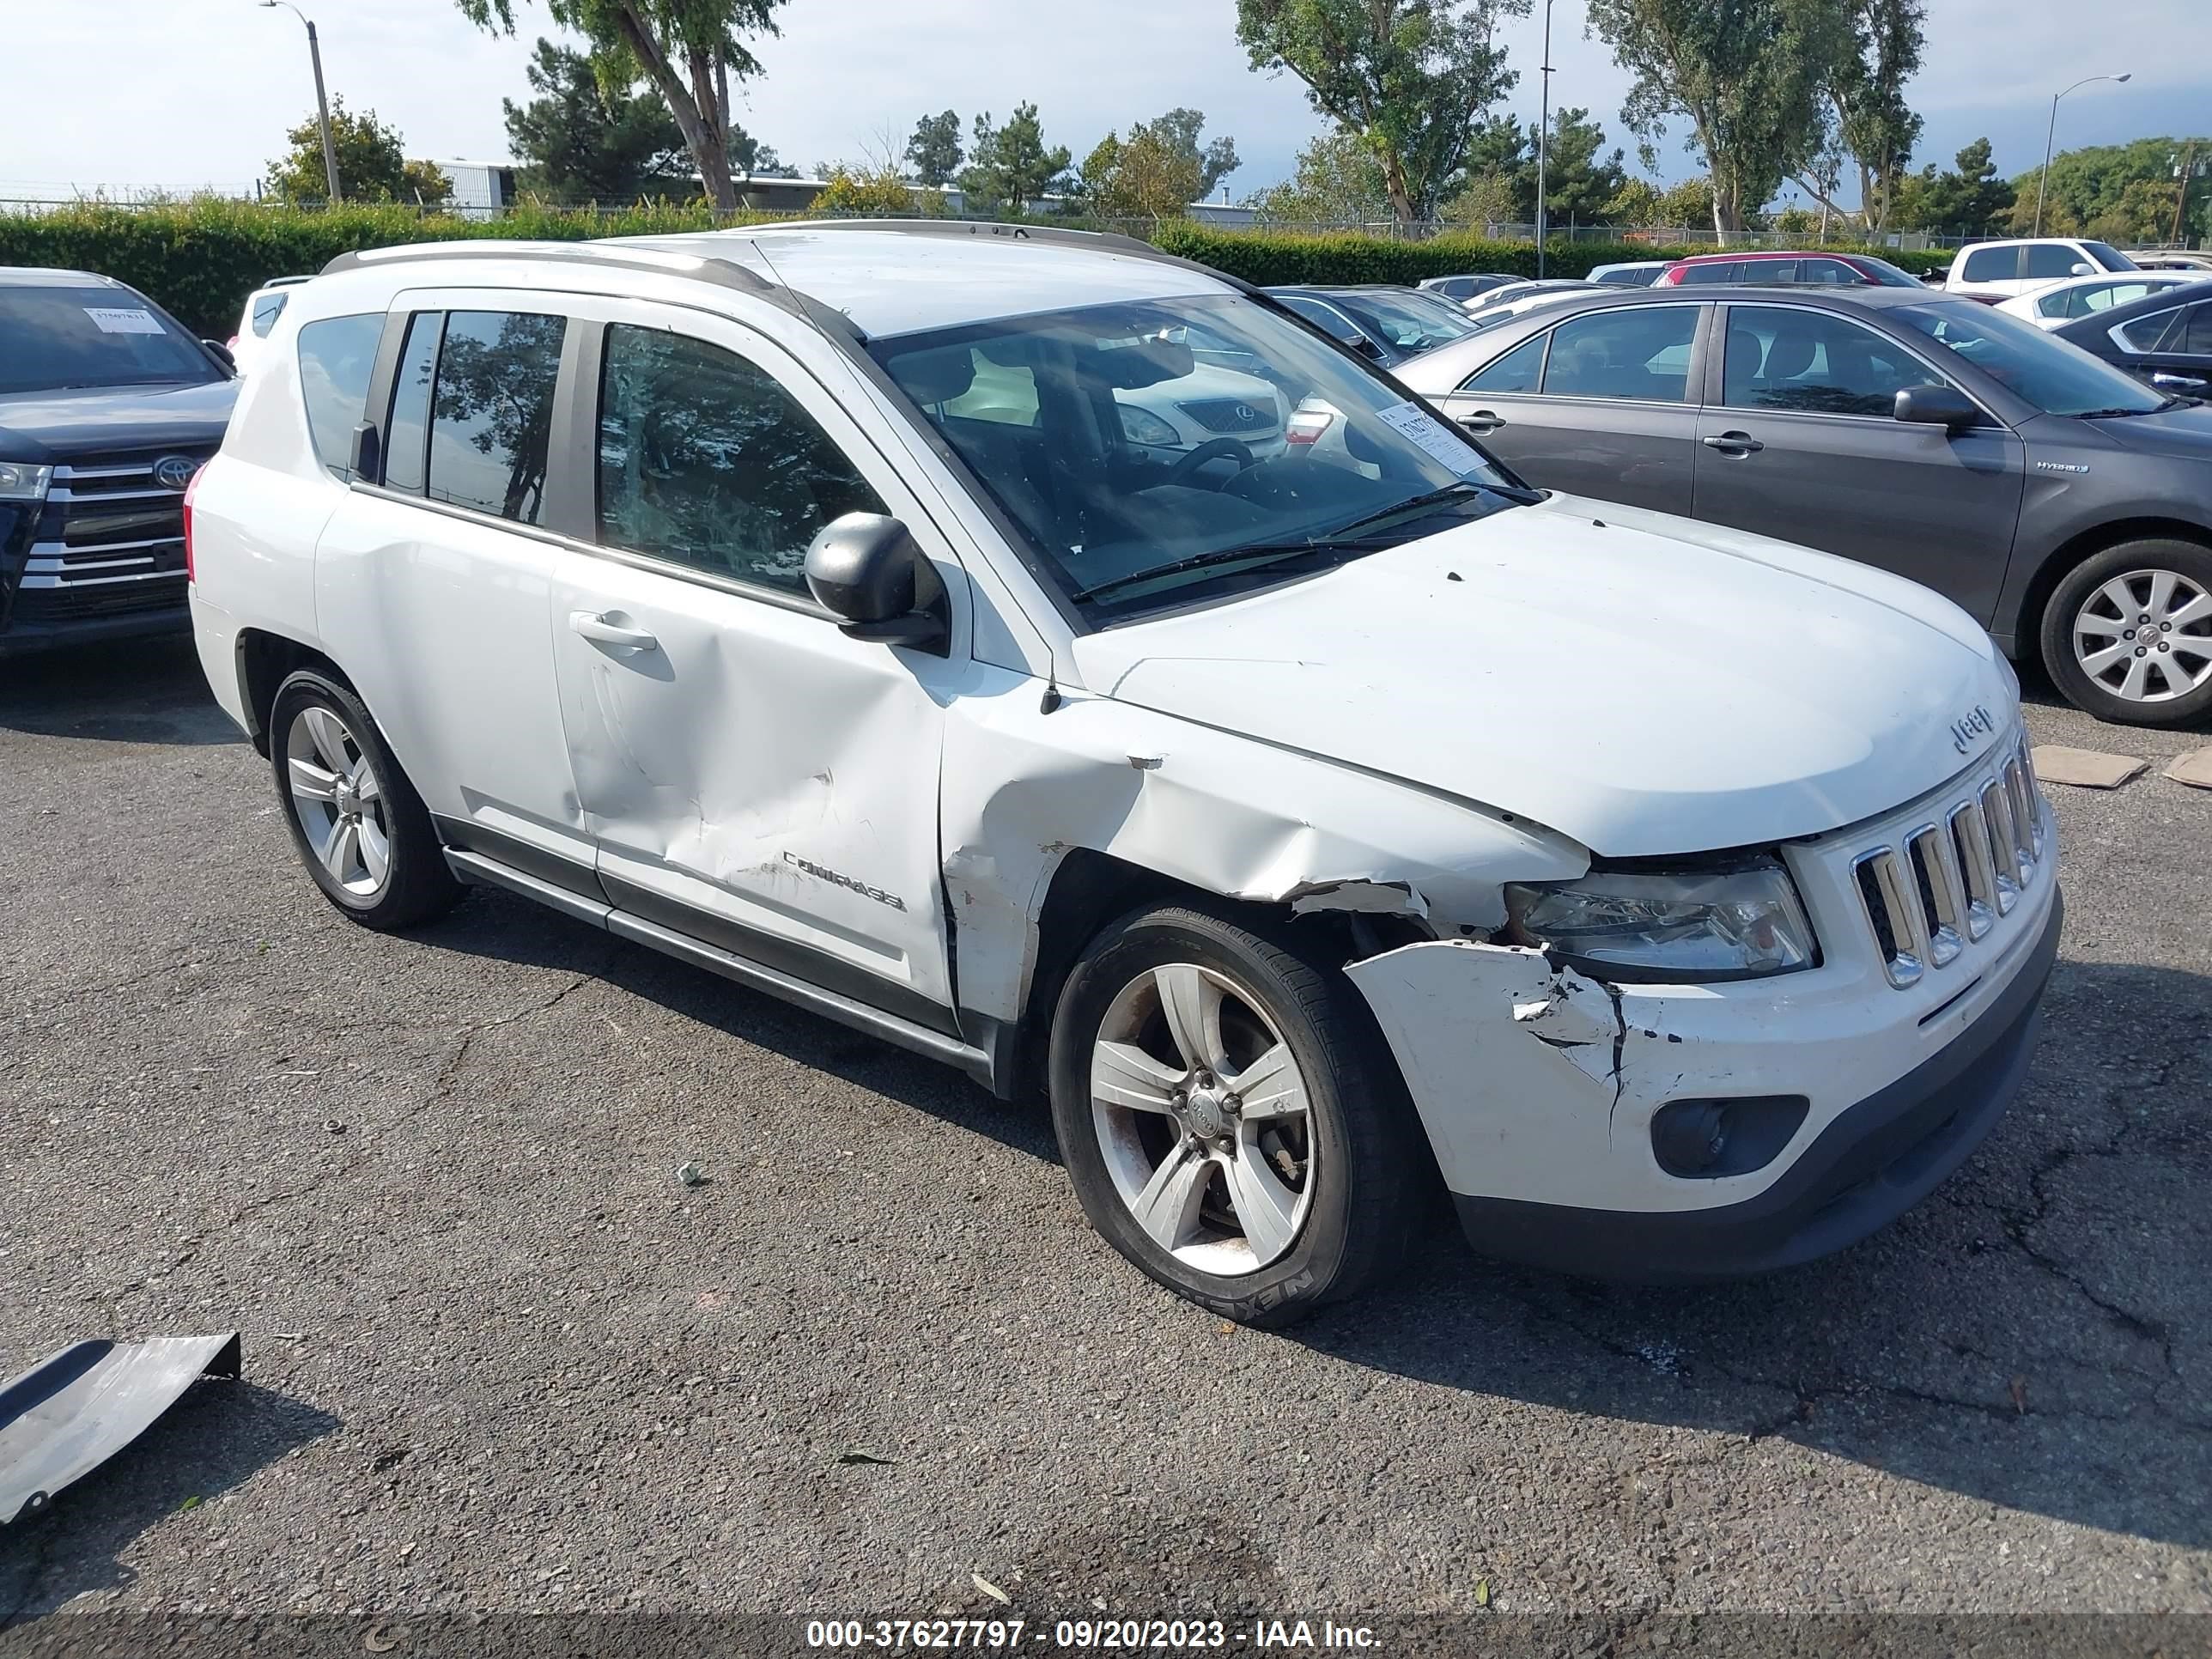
1229 1119
2128 634
360 827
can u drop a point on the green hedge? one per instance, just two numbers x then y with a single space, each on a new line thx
201 259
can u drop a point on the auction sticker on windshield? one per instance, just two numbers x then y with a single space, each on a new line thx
122 319
1434 437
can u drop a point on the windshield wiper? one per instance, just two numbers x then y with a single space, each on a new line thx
2116 414
1260 554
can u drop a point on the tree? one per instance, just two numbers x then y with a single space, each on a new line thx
1009 166
690 50
1336 181
1408 77
877 189
1746 74
1689 203
1179 129
1486 199
1966 200
1635 203
580 141
935 150
372 165
1578 178
2124 192
1874 125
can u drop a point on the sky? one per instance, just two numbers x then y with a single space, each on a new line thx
182 93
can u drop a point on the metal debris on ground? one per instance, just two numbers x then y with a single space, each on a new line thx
2193 768
82 1404
991 1590
2084 769
691 1174
861 1455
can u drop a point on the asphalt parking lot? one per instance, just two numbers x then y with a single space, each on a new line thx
497 1357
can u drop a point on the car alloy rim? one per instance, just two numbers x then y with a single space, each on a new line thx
2146 636
1204 1119
338 800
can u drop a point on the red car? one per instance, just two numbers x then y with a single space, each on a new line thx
1820 269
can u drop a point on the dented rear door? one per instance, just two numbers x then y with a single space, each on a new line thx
752 777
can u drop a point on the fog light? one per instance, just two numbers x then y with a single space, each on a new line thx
1702 1139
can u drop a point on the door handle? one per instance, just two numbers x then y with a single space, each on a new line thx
606 630
1733 443
1482 421
2177 382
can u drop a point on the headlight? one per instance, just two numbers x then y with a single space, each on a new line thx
21 482
1141 426
1691 926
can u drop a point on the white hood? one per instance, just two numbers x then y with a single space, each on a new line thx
1642 683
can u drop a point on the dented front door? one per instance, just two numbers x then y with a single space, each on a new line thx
752 777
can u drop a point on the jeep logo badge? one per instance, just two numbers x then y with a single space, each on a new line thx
174 472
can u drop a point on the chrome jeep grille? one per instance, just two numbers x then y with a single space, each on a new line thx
1934 893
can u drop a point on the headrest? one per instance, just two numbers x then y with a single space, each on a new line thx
936 376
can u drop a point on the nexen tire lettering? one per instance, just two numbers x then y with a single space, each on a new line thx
860 887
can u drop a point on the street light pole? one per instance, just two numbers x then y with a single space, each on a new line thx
2051 132
322 103
1543 139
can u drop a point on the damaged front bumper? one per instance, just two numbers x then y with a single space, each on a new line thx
1538 1087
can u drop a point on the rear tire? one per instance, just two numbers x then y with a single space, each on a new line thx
360 827
2127 636
1296 1119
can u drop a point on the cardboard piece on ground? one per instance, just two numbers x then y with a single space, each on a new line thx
2194 768
2085 769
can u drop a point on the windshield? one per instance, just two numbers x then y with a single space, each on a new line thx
2058 379
1146 448
1409 321
1887 275
2110 257
56 338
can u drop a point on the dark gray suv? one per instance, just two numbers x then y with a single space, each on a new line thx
2066 506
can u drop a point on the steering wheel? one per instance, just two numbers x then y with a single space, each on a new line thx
1213 449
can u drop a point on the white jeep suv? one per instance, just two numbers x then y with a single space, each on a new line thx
1319 833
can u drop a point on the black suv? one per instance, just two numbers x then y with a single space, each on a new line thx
108 406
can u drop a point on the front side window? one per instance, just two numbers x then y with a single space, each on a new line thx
2047 262
1814 363
1517 371
1139 480
1327 319
1725 272
62 337
336 357
704 460
2037 367
1992 264
491 415
1642 354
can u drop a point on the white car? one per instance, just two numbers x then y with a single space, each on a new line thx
1309 839
1630 273
262 307
2081 296
1997 270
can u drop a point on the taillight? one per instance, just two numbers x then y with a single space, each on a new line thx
190 491
1306 425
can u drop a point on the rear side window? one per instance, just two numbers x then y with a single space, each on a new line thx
1643 354
1992 264
267 309
491 415
1718 273
1828 272
336 356
706 461
2145 333
1517 371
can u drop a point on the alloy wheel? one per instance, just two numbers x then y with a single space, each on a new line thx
338 800
2145 637
1203 1117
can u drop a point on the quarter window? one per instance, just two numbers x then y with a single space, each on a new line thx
1517 371
1811 362
706 461
2196 333
267 309
2144 333
336 357
1642 354
491 415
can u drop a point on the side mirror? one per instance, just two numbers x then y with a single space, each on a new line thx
1937 405
2187 385
866 569
1365 347
223 354
2081 268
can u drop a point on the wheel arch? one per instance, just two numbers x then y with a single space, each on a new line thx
2068 556
265 661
